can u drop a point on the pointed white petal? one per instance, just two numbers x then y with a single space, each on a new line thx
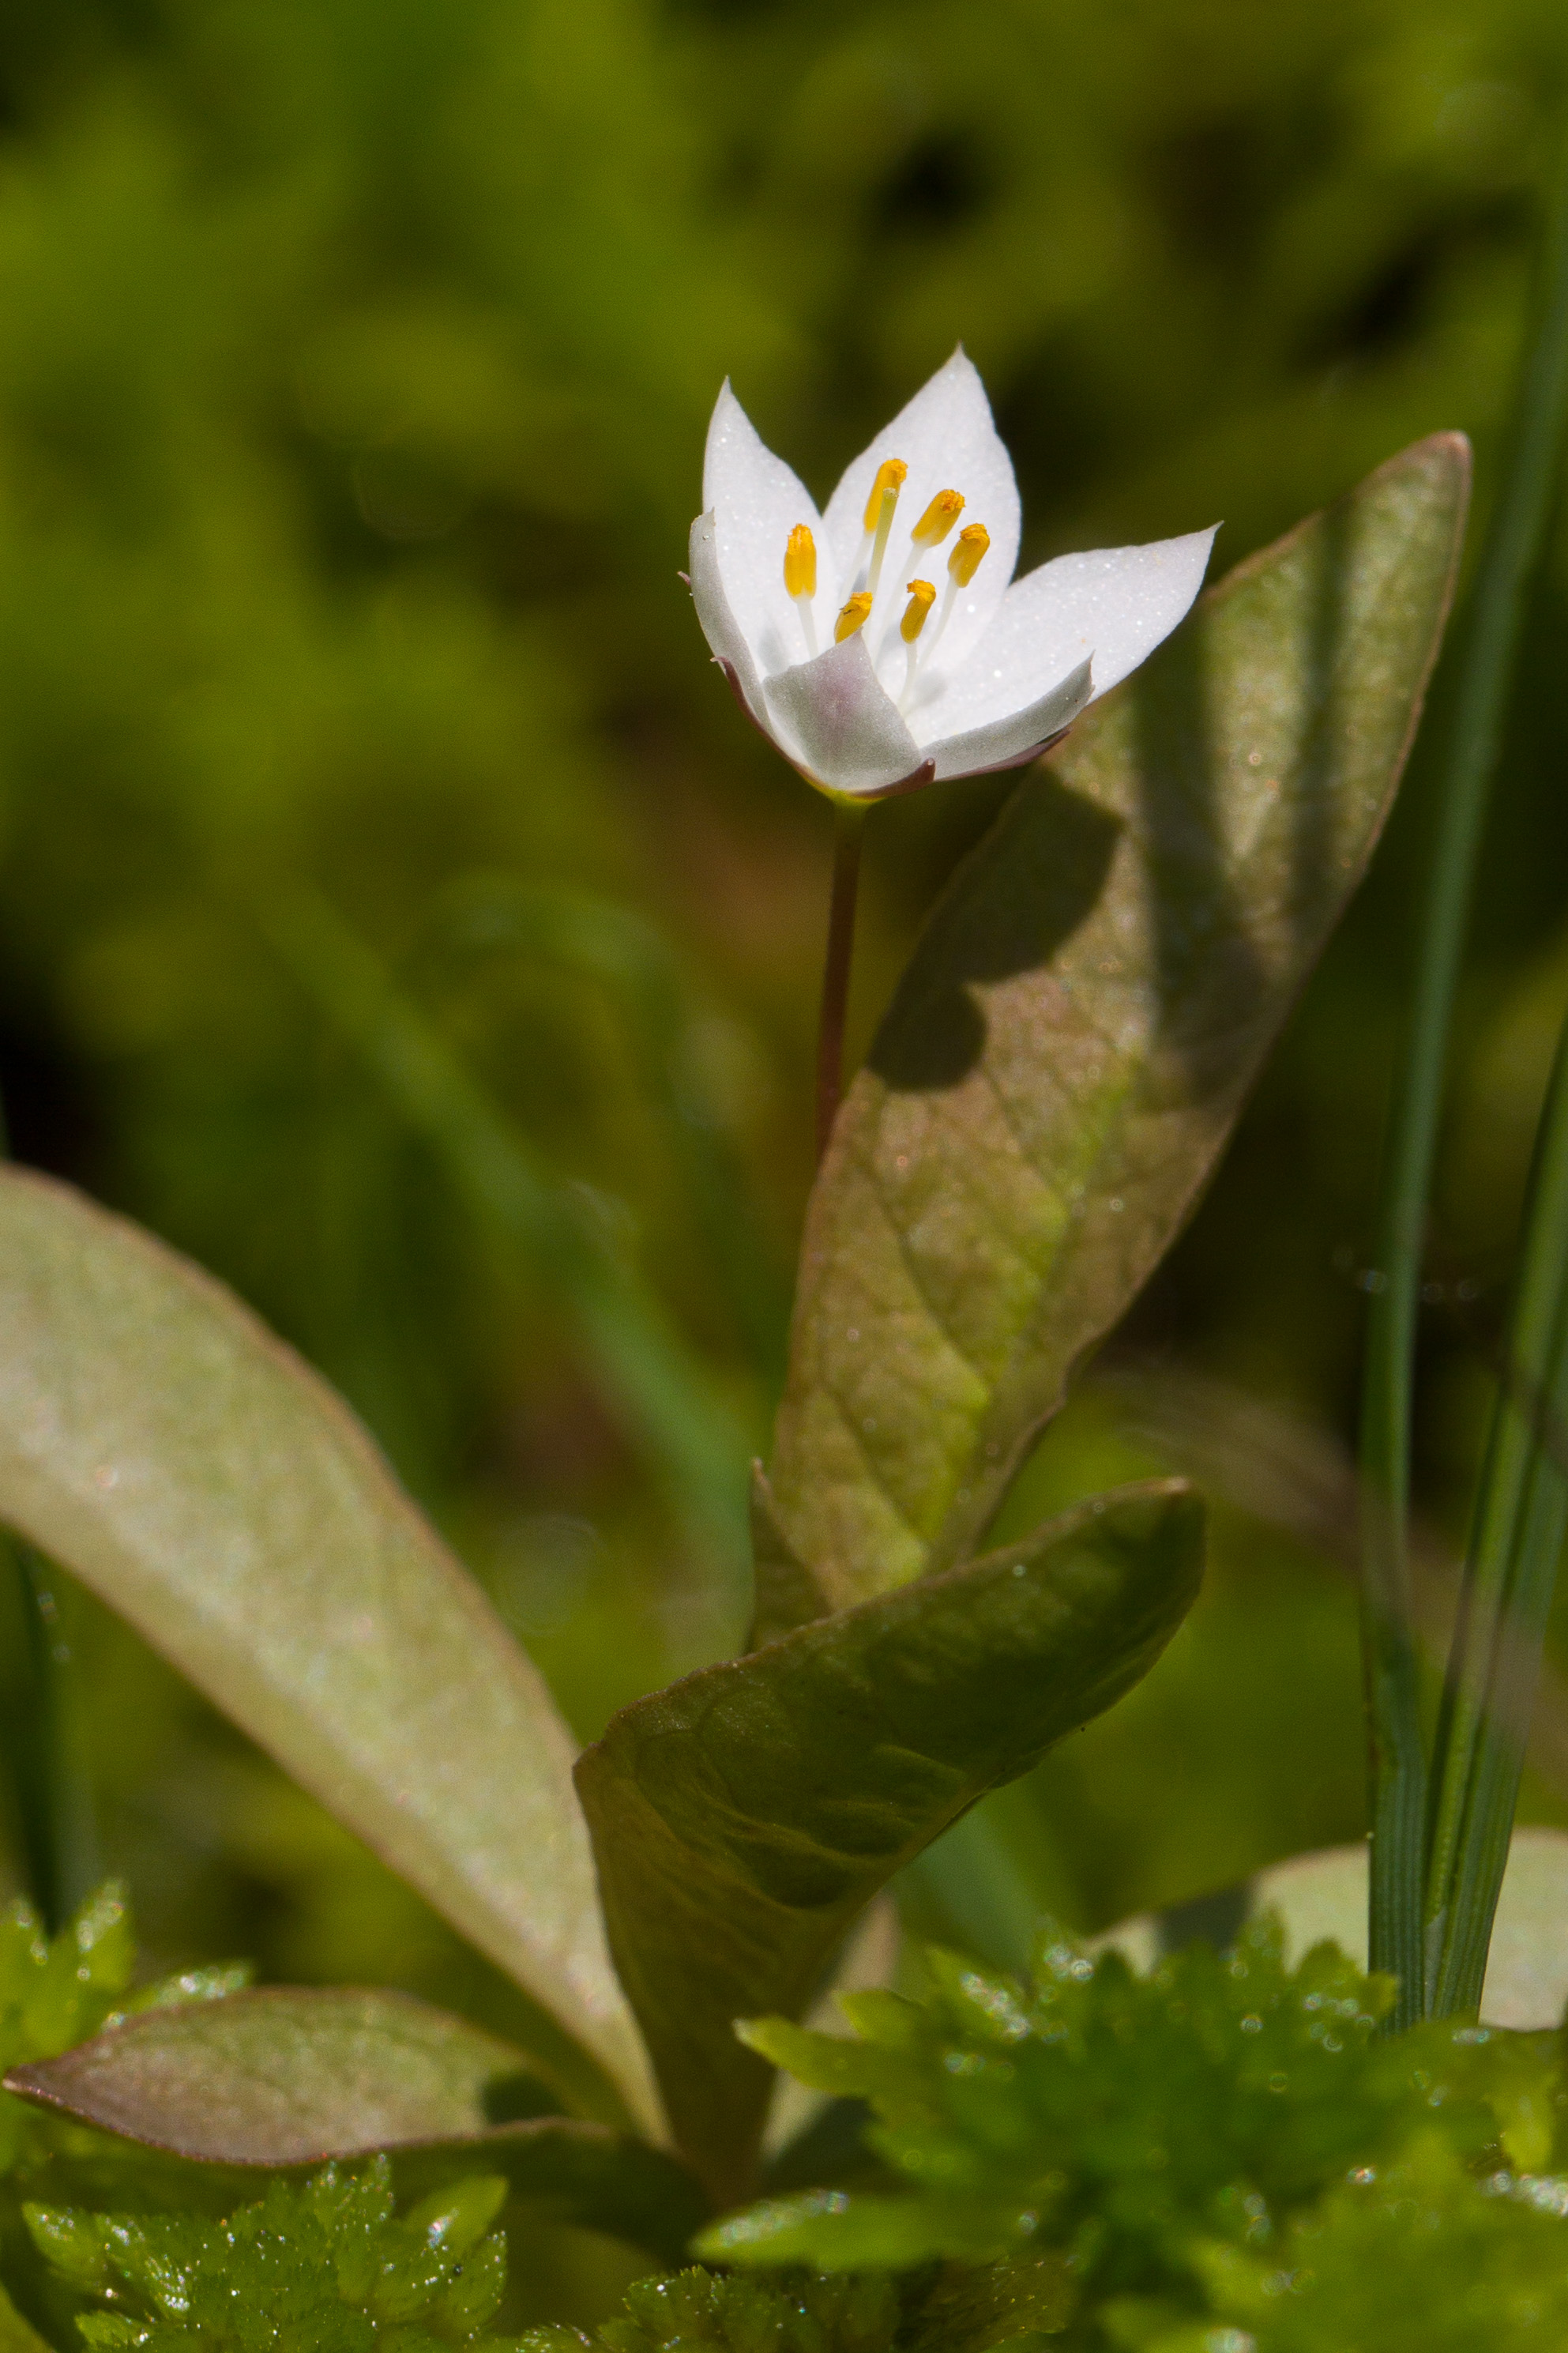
851 737
1116 603
756 501
1009 743
722 630
947 441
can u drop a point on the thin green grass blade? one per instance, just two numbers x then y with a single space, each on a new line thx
1521 1515
43 1734
45 1737
1399 1796
660 1392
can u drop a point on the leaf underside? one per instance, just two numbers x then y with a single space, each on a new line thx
163 1446
742 1818
291 2075
1069 1047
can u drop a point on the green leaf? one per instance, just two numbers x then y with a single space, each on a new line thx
289 2075
162 1444
1067 1053
743 1817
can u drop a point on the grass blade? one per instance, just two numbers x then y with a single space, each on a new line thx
1398 1774
44 1731
45 1738
1521 1514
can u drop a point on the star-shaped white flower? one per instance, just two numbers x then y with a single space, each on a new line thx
881 646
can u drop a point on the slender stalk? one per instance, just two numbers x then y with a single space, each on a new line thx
1521 1514
29 1723
848 828
46 1745
1396 1754
44 1731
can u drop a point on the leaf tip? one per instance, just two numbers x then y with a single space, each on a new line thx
31 2083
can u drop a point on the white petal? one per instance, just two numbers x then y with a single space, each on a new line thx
1116 603
947 441
722 630
851 735
756 501
1009 743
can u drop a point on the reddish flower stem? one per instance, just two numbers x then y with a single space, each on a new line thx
848 824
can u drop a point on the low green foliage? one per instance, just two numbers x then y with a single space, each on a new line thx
709 2313
1180 2142
1223 2156
323 2268
56 1991
1416 2257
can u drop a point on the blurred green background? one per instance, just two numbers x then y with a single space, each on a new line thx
396 914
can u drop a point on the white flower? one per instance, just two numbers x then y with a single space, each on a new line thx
880 646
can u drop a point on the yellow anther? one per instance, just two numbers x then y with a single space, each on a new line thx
938 518
967 550
800 561
853 617
891 475
922 597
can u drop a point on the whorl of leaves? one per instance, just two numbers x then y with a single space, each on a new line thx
324 2268
1177 2140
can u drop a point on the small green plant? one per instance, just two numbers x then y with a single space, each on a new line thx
324 2268
712 2311
1412 2257
1223 2140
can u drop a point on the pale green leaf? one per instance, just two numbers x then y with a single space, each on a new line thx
1068 1052
742 1818
289 2075
158 1441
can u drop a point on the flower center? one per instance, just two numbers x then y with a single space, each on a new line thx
862 586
